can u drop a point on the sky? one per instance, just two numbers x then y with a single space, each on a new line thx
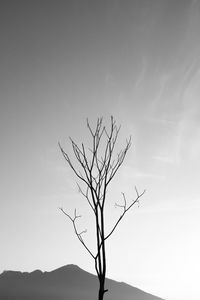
64 61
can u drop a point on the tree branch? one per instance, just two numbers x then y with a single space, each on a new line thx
73 220
125 209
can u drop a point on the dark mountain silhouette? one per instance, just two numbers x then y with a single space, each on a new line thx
66 283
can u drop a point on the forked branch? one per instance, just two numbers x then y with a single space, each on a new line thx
78 234
125 209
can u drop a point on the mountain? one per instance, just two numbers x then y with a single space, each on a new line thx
66 283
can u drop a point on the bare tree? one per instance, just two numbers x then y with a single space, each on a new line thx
98 167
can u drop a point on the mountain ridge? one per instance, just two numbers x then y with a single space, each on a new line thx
67 282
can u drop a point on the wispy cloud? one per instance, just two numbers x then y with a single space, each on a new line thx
141 75
164 159
133 173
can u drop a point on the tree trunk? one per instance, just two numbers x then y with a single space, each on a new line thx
101 294
102 289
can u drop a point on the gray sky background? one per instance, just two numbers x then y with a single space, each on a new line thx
63 61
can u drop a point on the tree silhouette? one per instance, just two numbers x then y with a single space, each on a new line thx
98 167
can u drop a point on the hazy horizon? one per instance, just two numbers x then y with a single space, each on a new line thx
138 60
